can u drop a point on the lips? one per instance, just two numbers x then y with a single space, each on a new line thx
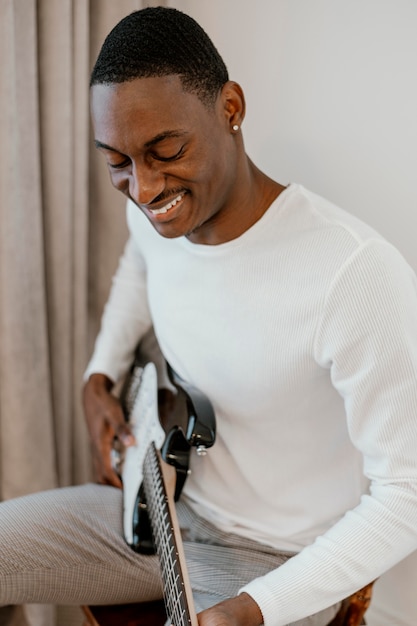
167 207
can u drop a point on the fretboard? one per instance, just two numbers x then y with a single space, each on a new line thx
159 484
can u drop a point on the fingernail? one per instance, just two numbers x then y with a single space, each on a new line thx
127 440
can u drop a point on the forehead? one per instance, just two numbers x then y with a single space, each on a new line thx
143 107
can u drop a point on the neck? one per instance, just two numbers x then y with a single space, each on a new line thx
264 191
254 195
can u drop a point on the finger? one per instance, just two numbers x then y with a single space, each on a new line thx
117 421
106 475
125 435
114 480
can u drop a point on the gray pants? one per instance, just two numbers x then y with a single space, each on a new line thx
65 546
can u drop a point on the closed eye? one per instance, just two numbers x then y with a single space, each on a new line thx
119 166
177 155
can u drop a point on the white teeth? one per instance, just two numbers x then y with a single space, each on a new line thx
166 208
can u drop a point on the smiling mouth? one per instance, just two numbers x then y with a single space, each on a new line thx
168 206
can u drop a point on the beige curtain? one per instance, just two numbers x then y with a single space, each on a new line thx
61 232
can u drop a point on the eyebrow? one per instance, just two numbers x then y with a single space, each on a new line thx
167 134
104 146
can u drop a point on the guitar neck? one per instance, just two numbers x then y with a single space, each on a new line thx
159 480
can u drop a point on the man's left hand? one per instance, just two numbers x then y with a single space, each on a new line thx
239 611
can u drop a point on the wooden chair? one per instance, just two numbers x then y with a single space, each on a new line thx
354 608
351 612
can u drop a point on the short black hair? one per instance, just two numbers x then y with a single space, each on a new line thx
160 41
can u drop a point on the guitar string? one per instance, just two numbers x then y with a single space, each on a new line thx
167 563
176 602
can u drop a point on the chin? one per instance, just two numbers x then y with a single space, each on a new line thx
170 231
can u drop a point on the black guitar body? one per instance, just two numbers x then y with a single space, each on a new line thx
188 420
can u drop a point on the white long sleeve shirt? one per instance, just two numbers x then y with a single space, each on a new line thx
303 334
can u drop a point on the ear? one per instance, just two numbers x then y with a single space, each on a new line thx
232 101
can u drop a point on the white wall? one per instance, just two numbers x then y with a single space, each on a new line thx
331 89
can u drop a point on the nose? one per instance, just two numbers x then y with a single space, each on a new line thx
145 183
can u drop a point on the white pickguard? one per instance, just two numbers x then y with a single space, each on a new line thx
146 428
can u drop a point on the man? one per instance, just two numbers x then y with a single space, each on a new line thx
296 320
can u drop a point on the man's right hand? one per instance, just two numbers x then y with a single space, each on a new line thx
105 422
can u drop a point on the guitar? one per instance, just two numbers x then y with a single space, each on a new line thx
154 472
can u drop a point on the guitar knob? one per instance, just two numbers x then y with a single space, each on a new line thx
201 450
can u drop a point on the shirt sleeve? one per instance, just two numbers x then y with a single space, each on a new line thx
367 339
126 317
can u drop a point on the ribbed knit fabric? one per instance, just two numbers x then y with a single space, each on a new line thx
303 333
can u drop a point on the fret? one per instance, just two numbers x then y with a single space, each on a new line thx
159 484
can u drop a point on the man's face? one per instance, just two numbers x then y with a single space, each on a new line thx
176 158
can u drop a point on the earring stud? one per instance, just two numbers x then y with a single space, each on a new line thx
235 127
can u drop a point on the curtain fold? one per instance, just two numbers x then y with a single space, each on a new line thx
63 73
62 229
28 456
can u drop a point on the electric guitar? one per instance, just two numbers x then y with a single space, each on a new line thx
154 472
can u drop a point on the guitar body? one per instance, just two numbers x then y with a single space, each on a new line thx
175 421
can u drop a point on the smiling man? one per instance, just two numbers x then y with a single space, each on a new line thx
297 320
